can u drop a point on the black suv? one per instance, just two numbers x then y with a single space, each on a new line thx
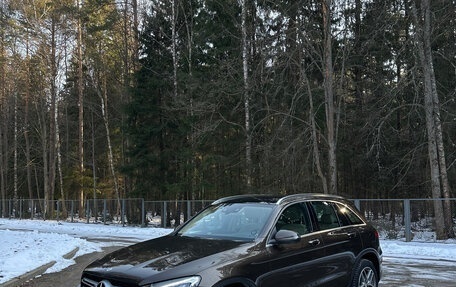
253 241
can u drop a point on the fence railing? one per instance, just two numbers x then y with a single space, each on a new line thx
409 219
136 211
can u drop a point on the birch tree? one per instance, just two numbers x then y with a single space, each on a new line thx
245 72
102 92
3 20
174 45
104 63
439 178
53 108
80 84
15 155
26 121
48 24
130 58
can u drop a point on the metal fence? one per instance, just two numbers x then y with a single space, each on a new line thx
409 219
130 211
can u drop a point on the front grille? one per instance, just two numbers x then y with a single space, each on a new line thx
93 282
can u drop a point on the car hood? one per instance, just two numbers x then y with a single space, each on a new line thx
164 258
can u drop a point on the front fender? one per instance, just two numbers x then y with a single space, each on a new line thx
235 281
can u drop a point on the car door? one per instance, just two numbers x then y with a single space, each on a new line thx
341 241
298 263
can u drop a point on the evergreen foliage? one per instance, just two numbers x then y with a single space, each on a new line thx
175 98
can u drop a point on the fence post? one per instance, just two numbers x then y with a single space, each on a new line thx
164 214
357 204
143 213
123 212
104 211
407 220
58 210
189 209
95 209
32 208
72 211
20 208
88 210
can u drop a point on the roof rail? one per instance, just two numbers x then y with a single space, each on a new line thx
303 196
248 197
279 199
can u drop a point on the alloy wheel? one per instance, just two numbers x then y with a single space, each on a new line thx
367 278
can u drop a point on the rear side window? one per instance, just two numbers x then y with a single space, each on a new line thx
348 216
326 215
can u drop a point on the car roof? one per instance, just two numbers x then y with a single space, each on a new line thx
277 199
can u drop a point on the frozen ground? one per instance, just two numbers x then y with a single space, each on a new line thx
28 244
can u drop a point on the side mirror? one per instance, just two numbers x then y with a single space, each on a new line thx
285 236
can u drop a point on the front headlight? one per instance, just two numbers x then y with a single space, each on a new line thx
179 282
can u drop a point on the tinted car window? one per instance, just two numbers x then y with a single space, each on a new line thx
347 216
294 218
326 215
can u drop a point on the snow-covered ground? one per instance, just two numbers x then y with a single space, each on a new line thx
29 244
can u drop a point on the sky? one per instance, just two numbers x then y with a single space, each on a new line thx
29 244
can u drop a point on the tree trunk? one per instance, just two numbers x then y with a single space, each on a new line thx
329 97
189 30
81 112
59 167
26 131
173 46
245 69
2 120
53 116
2 173
44 145
125 99
316 150
448 217
94 170
15 171
135 58
104 111
433 126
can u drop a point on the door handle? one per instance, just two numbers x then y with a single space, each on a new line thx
351 234
314 242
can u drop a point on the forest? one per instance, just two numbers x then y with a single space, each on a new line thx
198 99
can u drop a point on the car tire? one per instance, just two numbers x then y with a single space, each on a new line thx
365 275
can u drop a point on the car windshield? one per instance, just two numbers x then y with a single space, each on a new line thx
233 221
